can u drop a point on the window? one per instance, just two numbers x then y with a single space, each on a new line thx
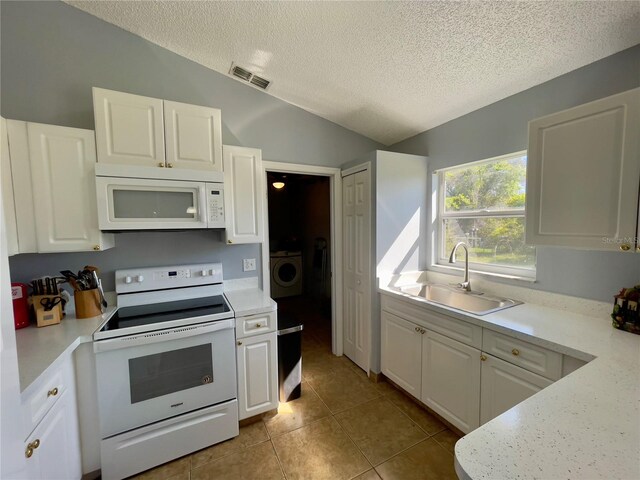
482 204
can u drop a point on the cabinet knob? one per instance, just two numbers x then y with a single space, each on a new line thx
53 392
31 447
229 241
417 329
423 331
625 247
161 164
239 343
258 325
96 248
483 358
515 351
170 165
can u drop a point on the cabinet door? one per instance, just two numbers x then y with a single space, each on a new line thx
451 380
583 173
22 186
129 128
57 456
401 353
62 170
193 136
243 203
504 385
7 192
257 374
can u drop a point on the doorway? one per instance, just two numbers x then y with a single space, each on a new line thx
302 251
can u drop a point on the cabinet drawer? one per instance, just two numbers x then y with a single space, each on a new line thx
459 330
530 357
45 394
256 325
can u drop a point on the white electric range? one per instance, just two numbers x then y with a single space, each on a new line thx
166 368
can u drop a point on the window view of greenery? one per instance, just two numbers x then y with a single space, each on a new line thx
484 207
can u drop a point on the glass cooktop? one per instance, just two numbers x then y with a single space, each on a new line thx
127 317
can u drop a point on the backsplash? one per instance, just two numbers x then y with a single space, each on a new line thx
142 249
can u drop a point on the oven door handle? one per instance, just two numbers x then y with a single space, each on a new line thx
161 336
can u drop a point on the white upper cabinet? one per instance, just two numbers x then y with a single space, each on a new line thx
193 136
8 201
244 202
62 161
132 130
583 175
129 128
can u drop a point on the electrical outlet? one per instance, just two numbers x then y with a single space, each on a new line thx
248 264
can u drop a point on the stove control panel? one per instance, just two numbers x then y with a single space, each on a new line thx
159 278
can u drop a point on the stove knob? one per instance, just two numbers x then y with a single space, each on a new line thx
128 279
140 279
204 273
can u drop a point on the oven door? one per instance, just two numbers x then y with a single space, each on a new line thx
152 376
143 204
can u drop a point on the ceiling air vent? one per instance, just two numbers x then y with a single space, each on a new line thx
260 82
247 76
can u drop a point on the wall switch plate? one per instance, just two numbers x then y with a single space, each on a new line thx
248 264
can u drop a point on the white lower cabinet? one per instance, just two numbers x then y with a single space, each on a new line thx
52 440
504 386
461 383
257 358
55 446
451 380
402 353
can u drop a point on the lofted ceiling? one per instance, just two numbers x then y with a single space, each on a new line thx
387 70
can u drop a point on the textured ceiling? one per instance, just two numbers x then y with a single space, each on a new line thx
387 70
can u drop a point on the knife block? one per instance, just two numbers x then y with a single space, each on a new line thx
44 318
87 303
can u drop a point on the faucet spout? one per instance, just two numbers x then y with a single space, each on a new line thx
465 284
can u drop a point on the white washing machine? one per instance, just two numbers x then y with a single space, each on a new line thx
286 274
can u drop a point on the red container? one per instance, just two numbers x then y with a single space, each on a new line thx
20 305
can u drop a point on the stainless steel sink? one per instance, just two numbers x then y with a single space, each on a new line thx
472 302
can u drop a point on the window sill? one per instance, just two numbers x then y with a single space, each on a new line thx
505 276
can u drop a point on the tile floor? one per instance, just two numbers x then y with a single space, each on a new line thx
343 427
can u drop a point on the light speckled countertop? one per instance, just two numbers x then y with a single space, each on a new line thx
585 425
251 301
40 348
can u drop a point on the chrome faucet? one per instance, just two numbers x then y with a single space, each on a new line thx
466 284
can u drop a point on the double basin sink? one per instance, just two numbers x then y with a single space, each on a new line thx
476 303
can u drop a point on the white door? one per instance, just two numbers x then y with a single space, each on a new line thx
451 380
402 353
357 267
129 128
62 169
55 444
7 191
257 374
193 136
244 201
505 385
583 173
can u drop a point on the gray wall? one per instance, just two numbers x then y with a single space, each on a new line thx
52 54
501 128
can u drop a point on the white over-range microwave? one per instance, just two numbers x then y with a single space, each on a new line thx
143 198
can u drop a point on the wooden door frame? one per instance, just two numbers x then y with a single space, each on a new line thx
335 195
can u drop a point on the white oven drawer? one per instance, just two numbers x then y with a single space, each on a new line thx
528 356
256 325
133 452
